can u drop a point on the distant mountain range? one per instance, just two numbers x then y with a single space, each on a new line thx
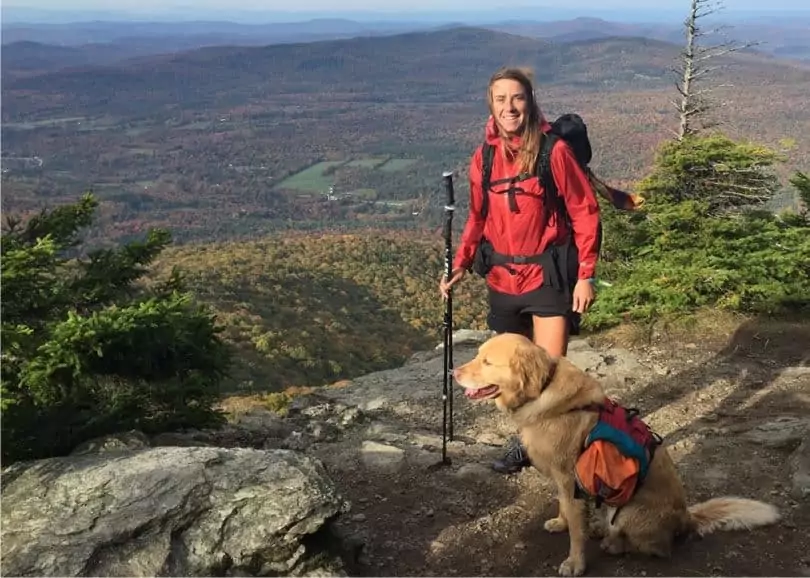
432 65
46 47
738 11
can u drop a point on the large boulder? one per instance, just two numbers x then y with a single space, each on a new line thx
170 511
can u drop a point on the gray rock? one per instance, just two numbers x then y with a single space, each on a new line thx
491 438
263 422
795 371
381 456
473 471
323 432
131 440
587 359
423 459
169 511
182 439
468 337
782 432
799 466
413 392
617 363
350 416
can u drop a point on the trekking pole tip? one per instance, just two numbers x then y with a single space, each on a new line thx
443 462
446 174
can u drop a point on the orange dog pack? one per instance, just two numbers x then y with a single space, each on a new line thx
616 457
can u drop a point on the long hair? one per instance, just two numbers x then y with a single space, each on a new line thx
531 136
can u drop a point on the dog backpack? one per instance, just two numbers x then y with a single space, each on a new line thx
617 456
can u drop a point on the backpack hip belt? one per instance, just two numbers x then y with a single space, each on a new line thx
553 261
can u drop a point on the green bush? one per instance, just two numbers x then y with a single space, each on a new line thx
724 174
696 244
87 349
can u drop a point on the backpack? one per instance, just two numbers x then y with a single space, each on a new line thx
571 128
616 456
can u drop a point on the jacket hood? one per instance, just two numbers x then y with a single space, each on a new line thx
493 137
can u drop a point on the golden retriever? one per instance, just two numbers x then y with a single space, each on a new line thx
547 399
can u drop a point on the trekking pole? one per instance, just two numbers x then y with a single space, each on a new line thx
447 393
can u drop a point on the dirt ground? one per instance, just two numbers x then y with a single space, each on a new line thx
705 390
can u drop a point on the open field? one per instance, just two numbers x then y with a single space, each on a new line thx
311 179
369 163
320 176
396 165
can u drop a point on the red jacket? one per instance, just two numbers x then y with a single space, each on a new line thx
521 233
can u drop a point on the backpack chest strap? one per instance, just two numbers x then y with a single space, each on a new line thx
512 191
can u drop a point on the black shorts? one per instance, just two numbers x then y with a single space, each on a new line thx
513 313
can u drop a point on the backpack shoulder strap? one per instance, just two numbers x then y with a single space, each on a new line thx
487 155
554 203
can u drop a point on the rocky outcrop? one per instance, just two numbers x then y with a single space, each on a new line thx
256 497
170 511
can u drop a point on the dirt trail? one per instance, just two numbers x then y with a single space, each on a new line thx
733 411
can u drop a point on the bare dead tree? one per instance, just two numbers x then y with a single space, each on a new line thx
694 66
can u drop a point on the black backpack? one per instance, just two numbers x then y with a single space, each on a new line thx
573 130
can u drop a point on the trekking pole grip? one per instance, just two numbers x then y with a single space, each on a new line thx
449 208
448 185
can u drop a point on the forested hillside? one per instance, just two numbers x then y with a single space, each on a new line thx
307 310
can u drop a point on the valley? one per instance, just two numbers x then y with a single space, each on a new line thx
237 142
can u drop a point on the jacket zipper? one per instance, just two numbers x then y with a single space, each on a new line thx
508 227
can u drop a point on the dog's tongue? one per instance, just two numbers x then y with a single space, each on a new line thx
479 393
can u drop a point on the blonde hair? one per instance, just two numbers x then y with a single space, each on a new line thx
532 136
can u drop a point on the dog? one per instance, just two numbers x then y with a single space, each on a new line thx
548 400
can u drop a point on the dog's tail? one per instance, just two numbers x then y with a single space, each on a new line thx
731 513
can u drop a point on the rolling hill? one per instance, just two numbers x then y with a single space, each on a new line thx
413 67
26 57
783 39
46 48
778 36
305 310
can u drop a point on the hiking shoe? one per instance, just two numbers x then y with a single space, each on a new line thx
514 460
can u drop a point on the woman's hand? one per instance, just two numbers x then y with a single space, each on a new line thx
444 284
584 295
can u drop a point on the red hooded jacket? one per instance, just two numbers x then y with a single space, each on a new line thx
522 233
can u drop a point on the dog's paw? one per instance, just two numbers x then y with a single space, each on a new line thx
613 545
596 530
555 525
572 567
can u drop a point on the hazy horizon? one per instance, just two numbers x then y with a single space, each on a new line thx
373 5
258 11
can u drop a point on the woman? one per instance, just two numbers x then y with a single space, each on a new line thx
519 300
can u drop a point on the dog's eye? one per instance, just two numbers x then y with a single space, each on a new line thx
485 362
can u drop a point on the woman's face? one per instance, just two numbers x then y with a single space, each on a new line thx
510 105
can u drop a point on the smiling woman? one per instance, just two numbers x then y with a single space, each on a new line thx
538 264
517 116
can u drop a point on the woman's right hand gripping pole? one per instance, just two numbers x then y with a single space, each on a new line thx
445 285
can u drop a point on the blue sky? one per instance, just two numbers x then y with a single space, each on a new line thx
283 5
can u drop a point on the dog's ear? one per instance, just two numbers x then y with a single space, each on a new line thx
532 366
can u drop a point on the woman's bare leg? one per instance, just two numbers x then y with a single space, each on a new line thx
551 333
